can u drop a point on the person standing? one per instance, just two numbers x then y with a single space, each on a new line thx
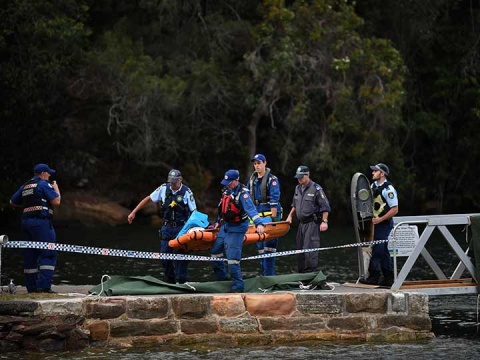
177 204
312 208
265 192
385 207
38 197
234 209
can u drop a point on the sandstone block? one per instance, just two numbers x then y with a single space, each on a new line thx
238 325
406 321
320 304
350 323
99 330
263 305
147 308
417 304
293 324
60 307
371 303
105 308
198 326
191 306
127 328
228 305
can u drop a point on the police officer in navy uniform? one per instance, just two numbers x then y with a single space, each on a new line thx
177 204
312 208
385 207
265 192
37 197
235 207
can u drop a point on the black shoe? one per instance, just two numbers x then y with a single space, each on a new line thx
369 281
386 283
46 291
388 279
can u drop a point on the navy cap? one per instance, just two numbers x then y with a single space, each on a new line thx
230 175
173 176
259 157
39 168
301 171
381 167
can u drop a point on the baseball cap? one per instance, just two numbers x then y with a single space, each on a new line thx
301 171
173 176
39 168
230 175
259 157
381 167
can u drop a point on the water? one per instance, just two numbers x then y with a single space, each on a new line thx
454 318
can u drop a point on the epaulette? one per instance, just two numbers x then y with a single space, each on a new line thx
318 187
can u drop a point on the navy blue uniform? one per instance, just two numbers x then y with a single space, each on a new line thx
39 265
231 234
177 207
265 193
384 198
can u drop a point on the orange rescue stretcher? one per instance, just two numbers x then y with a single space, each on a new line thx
198 239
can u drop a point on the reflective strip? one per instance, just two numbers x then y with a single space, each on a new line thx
234 262
261 251
265 214
35 208
30 271
47 267
217 255
255 217
269 249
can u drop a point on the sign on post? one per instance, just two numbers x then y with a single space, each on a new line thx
406 239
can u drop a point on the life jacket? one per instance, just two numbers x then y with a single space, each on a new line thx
265 181
380 205
230 210
174 207
34 205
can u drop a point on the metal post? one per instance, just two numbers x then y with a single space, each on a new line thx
3 240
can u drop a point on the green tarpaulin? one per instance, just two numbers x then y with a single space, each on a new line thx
148 285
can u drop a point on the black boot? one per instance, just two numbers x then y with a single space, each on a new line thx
388 279
373 278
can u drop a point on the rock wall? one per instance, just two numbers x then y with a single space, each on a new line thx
217 320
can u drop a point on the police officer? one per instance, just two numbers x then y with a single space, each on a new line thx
235 207
37 197
177 204
265 192
312 208
385 207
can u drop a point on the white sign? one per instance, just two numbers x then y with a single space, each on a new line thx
406 239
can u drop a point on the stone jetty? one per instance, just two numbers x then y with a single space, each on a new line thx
345 313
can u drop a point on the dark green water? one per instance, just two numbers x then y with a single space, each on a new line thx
455 318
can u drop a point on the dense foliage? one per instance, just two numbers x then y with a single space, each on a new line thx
114 93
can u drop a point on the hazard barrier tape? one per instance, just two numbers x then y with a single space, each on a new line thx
106 251
162 256
293 252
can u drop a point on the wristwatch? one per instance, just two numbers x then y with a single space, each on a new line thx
325 221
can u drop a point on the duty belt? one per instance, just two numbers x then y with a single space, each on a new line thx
173 223
307 220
